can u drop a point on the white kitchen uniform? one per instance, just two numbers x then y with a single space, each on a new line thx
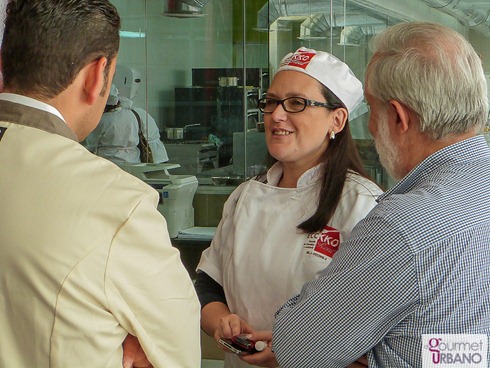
260 257
116 136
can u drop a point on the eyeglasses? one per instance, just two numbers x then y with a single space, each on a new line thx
291 104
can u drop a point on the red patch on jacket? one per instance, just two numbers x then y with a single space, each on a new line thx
328 241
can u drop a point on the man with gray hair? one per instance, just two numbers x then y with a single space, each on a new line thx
411 287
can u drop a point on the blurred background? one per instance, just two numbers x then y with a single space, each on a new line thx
204 63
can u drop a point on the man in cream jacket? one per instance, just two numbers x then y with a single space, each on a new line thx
85 257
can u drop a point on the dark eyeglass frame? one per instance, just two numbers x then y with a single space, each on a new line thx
306 102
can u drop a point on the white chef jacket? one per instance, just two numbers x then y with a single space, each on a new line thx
260 257
85 257
116 136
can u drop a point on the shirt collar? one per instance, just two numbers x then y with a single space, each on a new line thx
309 176
463 151
31 102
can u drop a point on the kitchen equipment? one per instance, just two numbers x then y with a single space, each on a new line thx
228 81
193 156
222 81
231 81
176 193
221 181
255 170
170 133
196 132
179 133
174 133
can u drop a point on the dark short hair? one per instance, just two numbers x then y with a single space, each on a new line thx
47 42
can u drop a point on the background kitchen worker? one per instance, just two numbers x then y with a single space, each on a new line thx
117 137
282 228
85 257
416 267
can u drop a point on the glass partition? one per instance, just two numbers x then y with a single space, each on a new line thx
203 69
345 27
201 65
204 64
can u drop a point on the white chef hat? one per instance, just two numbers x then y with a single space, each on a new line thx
329 71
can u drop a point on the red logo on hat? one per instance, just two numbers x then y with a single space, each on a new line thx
300 59
328 241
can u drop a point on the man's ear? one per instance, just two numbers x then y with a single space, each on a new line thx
403 115
94 79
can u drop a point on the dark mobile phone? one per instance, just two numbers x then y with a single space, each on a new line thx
244 343
239 344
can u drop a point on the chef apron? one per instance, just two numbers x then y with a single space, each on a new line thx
259 255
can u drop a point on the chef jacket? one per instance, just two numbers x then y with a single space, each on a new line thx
259 255
85 257
116 136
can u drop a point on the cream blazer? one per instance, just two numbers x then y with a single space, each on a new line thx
85 257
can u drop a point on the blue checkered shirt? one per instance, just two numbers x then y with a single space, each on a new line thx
419 263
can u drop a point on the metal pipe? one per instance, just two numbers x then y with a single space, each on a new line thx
469 13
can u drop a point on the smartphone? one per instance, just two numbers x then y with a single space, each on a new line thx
239 344
244 343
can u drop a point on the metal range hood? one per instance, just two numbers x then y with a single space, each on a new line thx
184 8
319 18
274 9
473 14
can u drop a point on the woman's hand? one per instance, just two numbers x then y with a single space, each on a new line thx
230 326
264 358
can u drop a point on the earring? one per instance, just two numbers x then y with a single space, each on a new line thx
332 135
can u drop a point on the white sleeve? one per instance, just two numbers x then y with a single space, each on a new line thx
212 258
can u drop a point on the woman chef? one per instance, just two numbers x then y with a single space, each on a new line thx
281 229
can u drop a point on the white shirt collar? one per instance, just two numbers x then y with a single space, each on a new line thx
309 176
31 102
